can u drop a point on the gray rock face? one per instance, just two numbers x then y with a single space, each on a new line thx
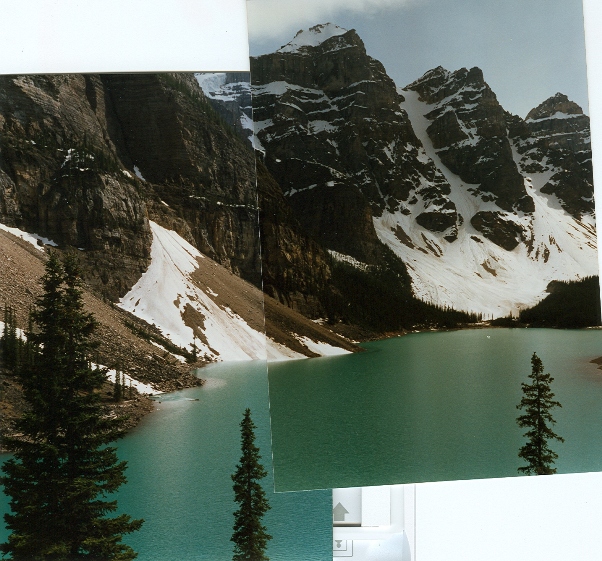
60 175
230 95
555 139
469 130
85 159
558 103
328 121
497 228
467 195
296 270
195 164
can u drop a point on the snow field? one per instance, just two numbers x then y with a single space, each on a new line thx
318 347
210 82
165 291
312 38
502 282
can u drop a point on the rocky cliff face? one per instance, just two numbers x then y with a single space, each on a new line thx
84 160
230 95
327 118
153 190
196 165
296 270
554 139
483 207
468 130
67 184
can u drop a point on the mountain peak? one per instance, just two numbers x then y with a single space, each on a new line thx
558 103
312 37
434 73
438 83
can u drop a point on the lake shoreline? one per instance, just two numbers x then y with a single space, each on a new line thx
468 326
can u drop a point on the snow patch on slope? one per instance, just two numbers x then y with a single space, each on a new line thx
312 37
321 348
557 115
166 293
474 274
344 258
19 332
138 173
140 387
210 82
33 239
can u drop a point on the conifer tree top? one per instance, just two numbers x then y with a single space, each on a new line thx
250 536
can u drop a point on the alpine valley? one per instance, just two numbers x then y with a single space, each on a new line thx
218 219
144 181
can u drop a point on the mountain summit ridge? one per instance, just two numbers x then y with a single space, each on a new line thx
449 179
556 104
312 37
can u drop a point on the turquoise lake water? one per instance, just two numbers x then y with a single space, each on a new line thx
179 464
431 407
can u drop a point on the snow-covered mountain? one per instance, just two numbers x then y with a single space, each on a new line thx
484 208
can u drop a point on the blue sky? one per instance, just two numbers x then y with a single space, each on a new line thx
527 49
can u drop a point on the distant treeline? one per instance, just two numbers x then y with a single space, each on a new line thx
571 304
381 299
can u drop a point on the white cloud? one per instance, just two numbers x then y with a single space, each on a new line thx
272 19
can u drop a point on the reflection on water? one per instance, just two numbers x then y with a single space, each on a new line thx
213 383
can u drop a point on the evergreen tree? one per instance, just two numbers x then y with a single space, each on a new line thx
62 469
9 341
537 401
27 348
194 350
250 536
118 387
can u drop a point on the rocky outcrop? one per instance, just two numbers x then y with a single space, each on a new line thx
468 130
472 199
296 269
558 105
197 166
230 95
83 158
554 139
499 229
61 177
328 123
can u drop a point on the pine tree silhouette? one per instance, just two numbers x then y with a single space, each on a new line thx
537 401
250 536
62 468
